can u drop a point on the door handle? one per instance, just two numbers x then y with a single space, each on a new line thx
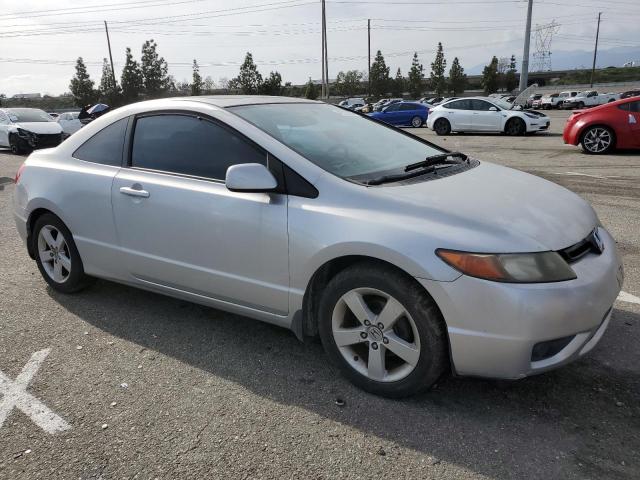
133 192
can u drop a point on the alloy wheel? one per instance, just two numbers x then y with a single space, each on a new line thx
416 122
54 253
375 334
597 140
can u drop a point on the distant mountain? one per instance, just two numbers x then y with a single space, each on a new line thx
569 60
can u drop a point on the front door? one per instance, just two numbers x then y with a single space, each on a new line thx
485 119
182 229
633 120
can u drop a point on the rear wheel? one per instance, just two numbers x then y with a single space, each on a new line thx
57 256
515 127
597 140
580 105
416 122
442 126
383 331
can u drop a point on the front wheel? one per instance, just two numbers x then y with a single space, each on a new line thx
597 140
515 127
383 331
416 122
442 126
57 256
16 145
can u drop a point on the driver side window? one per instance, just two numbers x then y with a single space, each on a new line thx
392 108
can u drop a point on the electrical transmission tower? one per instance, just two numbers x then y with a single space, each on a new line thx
542 56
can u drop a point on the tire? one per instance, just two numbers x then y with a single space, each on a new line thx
14 143
580 105
416 122
442 126
597 140
515 127
58 259
418 331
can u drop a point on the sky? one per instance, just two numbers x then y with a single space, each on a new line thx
40 39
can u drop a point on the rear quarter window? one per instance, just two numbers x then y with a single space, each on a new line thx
105 147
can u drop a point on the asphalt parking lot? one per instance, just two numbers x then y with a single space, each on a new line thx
121 383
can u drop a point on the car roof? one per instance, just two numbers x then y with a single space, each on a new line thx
224 101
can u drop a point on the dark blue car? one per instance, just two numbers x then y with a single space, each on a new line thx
411 114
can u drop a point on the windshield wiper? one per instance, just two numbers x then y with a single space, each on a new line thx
439 159
396 177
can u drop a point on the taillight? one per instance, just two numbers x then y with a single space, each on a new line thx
19 172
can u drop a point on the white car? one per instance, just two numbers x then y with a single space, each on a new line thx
484 114
26 129
555 100
590 98
69 122
352 102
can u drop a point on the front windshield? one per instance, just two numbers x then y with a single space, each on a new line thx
342 142
502 103
28 115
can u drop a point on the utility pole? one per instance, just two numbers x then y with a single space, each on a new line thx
524 73
113 72
322 92
595 49
369 56
326 53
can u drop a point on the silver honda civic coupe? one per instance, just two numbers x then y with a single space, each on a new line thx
407 260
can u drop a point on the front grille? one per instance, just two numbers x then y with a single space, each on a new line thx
47 140
590 244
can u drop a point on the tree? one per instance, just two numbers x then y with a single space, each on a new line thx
398 85
224 83
457 78
81 85
379 80
348 83
510 80
312 91
109 90
272 85
490 77
131 79
249 78
209 85
154 70
196 84
416 76
438 67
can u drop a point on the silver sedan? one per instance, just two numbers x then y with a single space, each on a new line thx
407 260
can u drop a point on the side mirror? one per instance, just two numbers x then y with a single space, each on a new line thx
493 109
250 177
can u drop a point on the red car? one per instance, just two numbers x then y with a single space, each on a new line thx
603 128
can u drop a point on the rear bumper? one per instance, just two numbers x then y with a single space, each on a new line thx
494 327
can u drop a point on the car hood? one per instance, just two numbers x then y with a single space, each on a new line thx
40 127
493 209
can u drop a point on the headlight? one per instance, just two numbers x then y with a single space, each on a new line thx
530 115
540 267
24 133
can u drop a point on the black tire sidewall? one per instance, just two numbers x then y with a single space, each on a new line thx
609 149
431 328
520 131
77 279
412 123
444 131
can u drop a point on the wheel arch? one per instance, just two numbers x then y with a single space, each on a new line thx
33 217
586 127
328 270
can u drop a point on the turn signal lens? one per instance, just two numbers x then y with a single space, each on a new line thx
539 267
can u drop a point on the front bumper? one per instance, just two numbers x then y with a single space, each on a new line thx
493 327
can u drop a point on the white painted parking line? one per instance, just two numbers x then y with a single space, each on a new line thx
15 395
627 297
590 175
